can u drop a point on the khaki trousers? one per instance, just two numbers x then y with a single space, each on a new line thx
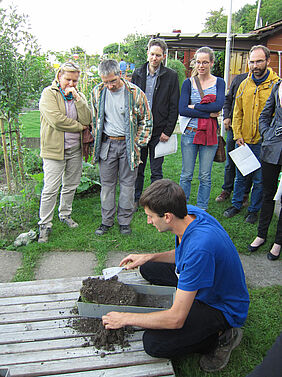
65 173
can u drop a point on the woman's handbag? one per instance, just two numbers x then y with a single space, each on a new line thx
220 155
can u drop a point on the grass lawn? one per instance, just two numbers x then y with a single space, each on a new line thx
30 124
264 320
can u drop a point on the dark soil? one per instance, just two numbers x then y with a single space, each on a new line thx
111 292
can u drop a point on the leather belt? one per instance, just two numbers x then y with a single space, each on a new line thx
105 137
191 129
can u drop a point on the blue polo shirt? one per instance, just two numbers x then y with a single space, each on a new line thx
207 261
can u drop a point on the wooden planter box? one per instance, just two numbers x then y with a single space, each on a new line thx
98 310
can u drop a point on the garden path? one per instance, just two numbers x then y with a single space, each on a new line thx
259 271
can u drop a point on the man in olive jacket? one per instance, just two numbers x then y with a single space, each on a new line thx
161 86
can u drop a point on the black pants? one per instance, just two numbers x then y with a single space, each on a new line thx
270 174
155 165
200 330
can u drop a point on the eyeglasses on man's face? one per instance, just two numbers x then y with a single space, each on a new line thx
257 62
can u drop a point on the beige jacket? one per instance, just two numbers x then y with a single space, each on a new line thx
54 122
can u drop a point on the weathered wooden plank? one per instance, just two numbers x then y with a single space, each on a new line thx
156 370
64 343
29 326
64 354
82 364
66 296
55 285
39 335
37 307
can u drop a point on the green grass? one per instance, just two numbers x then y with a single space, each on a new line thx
30 124
263 323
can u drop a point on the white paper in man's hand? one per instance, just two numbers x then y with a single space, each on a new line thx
164 148
244 159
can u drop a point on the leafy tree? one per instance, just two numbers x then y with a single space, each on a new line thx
111 49
137 49
216 22
179 67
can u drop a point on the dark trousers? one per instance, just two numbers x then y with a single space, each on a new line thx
200 331
155 164
270 174
230 167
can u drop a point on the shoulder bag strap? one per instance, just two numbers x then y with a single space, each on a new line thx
200 90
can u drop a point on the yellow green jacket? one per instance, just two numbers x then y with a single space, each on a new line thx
249 103
54 122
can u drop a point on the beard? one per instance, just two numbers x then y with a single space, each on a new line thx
259 72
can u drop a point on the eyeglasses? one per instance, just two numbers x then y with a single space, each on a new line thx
258 62
204 63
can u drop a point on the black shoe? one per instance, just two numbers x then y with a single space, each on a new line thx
231 211
252 249
271 256
102 229
125 229
251 217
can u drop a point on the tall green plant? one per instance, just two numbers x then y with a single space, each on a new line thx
179 67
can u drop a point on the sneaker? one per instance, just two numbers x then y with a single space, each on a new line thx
69 221
245 200
231 211
218 359
125 229
223 196
44 232
102 229
251 217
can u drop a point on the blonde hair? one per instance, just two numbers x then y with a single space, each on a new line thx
67 67
201 50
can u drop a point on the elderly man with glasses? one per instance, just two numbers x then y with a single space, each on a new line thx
250 100
64 114
122 125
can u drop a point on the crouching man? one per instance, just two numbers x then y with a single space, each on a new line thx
211 302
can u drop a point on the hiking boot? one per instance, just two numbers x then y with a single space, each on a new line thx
231 211
245 200
44 232
251 217
102 229
69 221
125 229
223 196
218 359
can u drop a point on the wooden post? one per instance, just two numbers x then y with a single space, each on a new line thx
19 150
6 160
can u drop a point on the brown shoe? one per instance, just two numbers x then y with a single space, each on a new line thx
245 200
223 196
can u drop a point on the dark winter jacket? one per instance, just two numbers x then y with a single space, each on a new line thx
270 128
165 99
229 102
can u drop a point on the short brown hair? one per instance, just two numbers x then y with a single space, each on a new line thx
158 42
262 47
165 196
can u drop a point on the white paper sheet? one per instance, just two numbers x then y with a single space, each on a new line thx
183 122
279 191
244 159
164 148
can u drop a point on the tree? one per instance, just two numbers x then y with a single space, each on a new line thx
216 22
22 74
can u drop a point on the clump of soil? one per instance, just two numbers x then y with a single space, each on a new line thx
101 338
111 291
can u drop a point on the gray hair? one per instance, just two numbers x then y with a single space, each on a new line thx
158 42
67 67
262 47
108 66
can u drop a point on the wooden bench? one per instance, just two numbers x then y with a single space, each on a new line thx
36 340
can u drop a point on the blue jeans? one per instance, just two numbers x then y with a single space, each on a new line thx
240 184
189 155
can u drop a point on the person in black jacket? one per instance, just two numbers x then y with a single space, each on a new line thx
229 171
270 128
161 86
